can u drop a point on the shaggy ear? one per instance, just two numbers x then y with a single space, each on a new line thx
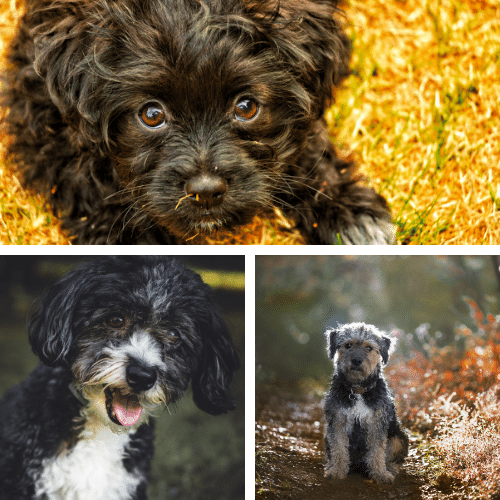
63 60
387 346
50 329
74 57
309 36
219 360
331 342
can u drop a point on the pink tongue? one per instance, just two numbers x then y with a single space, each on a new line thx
127 414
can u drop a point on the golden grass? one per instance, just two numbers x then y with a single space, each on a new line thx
420 112
24 219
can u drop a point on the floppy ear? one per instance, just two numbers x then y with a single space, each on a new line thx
309 36
51 325
387 346
219 360
75 58
331 342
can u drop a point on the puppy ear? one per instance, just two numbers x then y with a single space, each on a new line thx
387 346
50 327
219 360
72 65
331 342
309 35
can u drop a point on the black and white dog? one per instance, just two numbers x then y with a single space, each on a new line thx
117 337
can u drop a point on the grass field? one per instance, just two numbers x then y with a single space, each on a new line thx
420 114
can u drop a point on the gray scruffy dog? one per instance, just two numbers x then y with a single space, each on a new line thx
363 433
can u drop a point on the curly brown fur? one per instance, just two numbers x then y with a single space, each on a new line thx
363 433
150 121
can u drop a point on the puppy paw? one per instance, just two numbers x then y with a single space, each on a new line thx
393 468
369 231
383 477
335 474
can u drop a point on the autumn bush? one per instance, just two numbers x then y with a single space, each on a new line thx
451 394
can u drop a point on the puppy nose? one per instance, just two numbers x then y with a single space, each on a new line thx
356 361
140 377
206 190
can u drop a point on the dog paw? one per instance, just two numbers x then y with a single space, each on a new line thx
383 477
335 474
393 468
369 231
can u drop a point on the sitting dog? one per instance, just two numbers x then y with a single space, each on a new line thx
153 121
363 433
118 337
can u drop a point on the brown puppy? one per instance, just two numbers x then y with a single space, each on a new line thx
152 121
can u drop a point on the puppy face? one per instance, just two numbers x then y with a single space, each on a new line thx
199 105
358 359
134 332
358 349
132 360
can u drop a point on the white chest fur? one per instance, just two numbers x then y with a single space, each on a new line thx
91 470
358 412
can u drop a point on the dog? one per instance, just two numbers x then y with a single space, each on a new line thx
363 434
118 337
154 121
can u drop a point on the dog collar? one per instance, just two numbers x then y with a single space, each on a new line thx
360 389
76 391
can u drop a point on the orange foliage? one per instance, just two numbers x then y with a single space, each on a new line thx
453 395
419 381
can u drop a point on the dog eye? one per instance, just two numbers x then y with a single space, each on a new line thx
153 116
348 345
246 110
369 348
115 321
173 336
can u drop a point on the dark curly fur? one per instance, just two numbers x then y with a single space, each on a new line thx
240 87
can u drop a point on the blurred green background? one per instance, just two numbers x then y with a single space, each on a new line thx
418 298
197 456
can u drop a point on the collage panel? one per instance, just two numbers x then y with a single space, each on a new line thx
249 121
377 377
122 377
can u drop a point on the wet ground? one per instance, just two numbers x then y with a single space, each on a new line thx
290 457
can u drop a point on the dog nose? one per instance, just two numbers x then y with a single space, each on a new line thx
206 190
140 377
356 361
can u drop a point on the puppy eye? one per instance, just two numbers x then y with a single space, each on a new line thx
115 321
348 345
152 115
369 348
173 336
246 110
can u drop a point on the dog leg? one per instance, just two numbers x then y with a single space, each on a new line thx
333 203
377 445
376 460
337 444
397 450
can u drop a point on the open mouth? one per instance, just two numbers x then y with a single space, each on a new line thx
123 409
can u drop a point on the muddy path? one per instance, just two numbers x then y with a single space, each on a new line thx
290 457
